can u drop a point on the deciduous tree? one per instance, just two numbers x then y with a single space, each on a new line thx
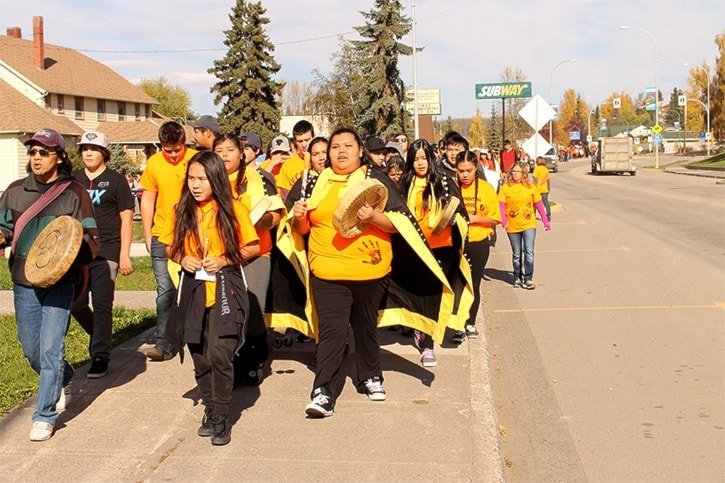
174 101
477 131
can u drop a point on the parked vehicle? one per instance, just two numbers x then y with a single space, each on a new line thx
614 155
552 160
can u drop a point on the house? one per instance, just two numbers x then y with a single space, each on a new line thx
45 85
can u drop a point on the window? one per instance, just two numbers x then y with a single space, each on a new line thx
121 111
47 102
79 108
148 111
138 111
61 102
101 109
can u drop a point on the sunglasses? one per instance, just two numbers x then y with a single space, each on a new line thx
43 152
401 140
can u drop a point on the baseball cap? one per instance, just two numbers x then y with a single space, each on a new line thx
395 147
280 143
252 139
206 122
374 144
50 138
95 138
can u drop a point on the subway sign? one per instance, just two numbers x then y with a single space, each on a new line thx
503 91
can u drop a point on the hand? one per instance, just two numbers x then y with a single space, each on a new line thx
366 213
148 244
191 264
124 265
213 264
547 226
300 209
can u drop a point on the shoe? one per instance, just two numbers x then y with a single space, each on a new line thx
528 285
41 431
98 369
418 338
471 332
321 405
156 353
458 337
373 387
222 430
65 398
518 283
428 358
207 427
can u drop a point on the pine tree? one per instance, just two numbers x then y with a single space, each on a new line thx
384 95
245 75
493 128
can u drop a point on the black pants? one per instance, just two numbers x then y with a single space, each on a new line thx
98 322
213 368
478 253
343 304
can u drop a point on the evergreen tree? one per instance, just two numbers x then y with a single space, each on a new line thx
493 128
245 75
675 113
384 111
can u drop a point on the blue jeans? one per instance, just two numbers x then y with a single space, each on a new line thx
523 242
545 202
164 293
42 316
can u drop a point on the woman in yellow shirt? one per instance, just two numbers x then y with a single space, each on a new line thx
484 214
210 236
518 197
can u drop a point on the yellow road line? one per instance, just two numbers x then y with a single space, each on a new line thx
714 305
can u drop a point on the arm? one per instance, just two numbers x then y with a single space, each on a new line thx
148 206
269 220
124 258
482 220
542 213
367 214
504 218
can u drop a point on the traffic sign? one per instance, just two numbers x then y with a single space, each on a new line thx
589 138
656 129
657 139
537 112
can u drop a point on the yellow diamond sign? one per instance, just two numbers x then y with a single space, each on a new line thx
656 129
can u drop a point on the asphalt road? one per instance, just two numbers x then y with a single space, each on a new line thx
613 369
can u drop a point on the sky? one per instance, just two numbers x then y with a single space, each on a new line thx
465 42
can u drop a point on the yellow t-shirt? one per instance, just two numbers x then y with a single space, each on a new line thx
211 241
291 171
332 257
166 180
541 173
265 237
424 217
520 200
485 203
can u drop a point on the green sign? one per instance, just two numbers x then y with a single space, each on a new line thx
502 91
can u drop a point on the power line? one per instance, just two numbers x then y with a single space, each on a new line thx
205 50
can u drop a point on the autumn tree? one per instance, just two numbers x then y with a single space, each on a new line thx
493 128
717 91
245 87
697 91
516 127
477 131
297 99
383 112
174 101
573 116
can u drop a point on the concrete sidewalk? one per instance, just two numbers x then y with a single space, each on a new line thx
139 422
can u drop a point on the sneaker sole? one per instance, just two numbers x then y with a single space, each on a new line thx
377 397
316 412
95 375
429 363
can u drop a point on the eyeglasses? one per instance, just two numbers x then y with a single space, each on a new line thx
43 152
401 140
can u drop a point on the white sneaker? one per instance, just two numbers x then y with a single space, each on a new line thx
41 431
65 398
471 331
428 358
373 387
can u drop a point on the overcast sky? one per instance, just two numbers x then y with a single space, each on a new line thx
465 41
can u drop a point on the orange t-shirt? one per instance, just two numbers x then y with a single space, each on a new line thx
422 216
332 257
210 238
485 203
166 180
541 173
265 236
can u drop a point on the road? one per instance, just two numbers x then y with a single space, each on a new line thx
613 369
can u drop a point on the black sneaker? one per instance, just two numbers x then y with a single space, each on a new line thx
373 387
321 405
458 337
99 367
222 430
207 424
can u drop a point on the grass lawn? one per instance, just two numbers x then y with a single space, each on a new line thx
142 277
717 161
18 381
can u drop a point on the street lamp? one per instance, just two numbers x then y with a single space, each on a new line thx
415 76
657 84
707 79
551 76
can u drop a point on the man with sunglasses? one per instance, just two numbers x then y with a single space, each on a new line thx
402 139
42 314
